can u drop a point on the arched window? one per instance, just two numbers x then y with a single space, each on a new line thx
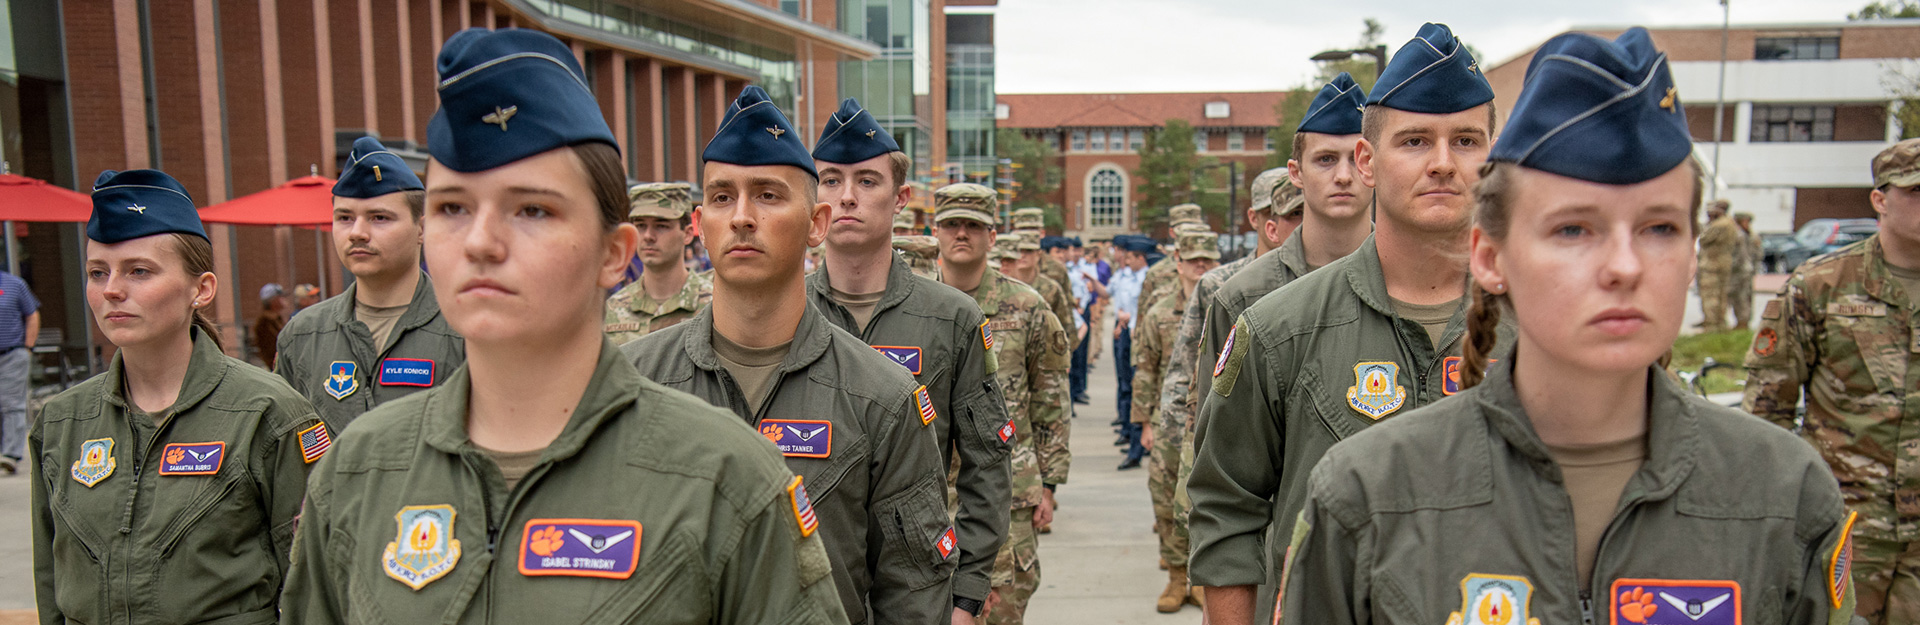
1107 199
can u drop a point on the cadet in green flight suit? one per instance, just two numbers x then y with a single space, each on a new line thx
1579 482
666 293
545 481
166 489
1028 343
383 338
928 328
1363 339
852 422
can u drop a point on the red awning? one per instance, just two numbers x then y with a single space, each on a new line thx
30 199
304 201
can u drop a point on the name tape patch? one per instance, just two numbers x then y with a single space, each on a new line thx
192 458
580 548
1665 601
905 356
799 438
406 372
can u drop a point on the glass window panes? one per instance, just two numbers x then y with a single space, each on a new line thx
1117 141
1236 141
1136 139
1079 141
1269 141
1099 141
1199 140
1795 48
1106 199
1790 123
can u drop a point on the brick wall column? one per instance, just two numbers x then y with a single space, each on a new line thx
610 89
684 148
649 156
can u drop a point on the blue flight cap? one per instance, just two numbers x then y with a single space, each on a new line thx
1050 243
852 136
1136 243
1075 242
141 202
509 94
1597 110
372 171
1432 74
755 133
1336 109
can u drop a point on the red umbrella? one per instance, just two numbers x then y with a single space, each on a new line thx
304 201
30 199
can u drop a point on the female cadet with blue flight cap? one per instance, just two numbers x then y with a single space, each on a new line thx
165 490
545 481
1576 483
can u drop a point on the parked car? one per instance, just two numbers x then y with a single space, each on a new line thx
1821 236
1773 249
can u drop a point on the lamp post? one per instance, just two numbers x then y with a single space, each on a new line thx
1379 54
1720 101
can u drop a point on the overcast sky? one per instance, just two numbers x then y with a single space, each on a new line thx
1092 46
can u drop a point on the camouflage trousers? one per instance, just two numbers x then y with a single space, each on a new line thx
1016 571
1886 575
1713 300
1163 473
1740 298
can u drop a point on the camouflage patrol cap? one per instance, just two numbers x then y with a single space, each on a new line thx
966 200
1029 218
1263 185
1898 165
1005 248
665 200
918 245
1184 214
1193 245
1025 241
1189 228
903 219
1287 197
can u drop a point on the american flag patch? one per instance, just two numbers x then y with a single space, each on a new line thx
1225 350
314 442
986 336
921 399
802 507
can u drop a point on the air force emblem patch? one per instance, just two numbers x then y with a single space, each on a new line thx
1494 600
906 356
425 549
1376 391
95 463
799 438
342 379
192 458
1668 601
580 548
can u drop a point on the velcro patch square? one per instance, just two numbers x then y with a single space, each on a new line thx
580 548
905 356
946 544
192 458
925 403
1663 601
314 442
406 372
802 507
799 438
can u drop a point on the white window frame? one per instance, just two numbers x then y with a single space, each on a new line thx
1218 110
1097 141
1199 141
1122 217
1236 141
1079 141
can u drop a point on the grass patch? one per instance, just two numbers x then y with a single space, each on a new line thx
1727 347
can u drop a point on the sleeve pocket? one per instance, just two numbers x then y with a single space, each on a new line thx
922 547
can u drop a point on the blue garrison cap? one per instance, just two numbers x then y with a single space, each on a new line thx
372 171
1432 74
1336 109
852 136
1049 243
755 133
1597 110
142 202
1135 243
509 94
1075 242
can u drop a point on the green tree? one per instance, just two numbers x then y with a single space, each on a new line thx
1293 107
1168 173
1904 85
1036 171
1890 9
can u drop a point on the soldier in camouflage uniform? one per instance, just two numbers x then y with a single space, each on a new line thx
922 254
1719 243
1162 278
1195 253
1031 350
1023 263
660 210
1841 330
1746 260
1034 220
903 224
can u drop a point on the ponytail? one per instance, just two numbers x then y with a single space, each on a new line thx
1483 331
196 256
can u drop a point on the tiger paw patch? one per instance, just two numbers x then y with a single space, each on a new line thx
799 438
946 544
1674 602
192 458
580 548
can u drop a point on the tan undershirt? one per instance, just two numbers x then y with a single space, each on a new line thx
514 465
1910 280
379 320
1596 475
860 304
752 367
1432 317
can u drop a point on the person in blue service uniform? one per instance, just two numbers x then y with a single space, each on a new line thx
1578 482
1133 251
545 481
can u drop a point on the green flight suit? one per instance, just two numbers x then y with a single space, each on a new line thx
327 333
876 481
934 331
143 532
716 535
1264 275
1309 364
1457 513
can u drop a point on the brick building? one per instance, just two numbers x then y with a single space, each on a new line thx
237 97
1807 107
1099 137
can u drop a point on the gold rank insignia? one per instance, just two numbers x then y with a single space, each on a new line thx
776 131
500 116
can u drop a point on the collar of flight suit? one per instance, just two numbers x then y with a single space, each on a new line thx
1293 253
444 418
420 310
205 369
1673 429
810 341
899 284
